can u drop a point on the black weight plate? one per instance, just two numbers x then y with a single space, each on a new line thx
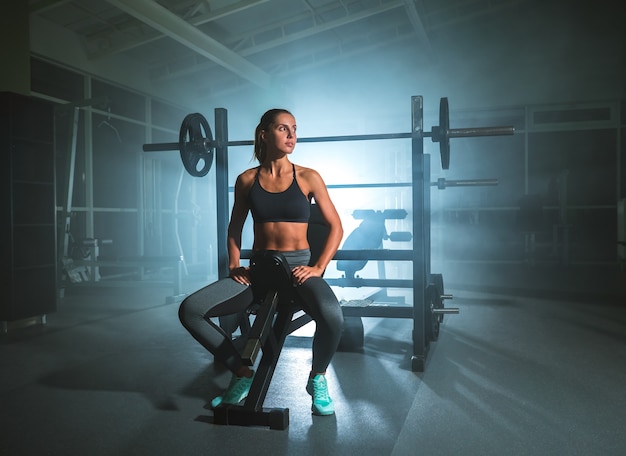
431 319
195 143
444 133
437 281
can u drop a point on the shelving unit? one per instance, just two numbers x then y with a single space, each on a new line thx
28 208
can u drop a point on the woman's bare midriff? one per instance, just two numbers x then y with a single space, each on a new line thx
281 236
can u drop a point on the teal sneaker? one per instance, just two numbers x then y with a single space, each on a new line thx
318 389
236 392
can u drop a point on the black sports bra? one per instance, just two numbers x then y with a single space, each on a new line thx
289 206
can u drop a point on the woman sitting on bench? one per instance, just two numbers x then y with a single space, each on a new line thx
278 194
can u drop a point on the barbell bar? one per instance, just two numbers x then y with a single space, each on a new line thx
197 146
446 310
443 183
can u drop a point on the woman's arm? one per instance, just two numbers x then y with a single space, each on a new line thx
235 228
318 190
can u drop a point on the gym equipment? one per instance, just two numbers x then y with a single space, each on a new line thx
443 183
272 277
195 144
79 259
434 310
274 305
370 235
424 305
196 147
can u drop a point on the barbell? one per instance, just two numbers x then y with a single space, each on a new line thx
197 146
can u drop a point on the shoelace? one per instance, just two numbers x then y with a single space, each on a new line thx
239 386
320 390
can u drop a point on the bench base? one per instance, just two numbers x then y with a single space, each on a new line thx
274 418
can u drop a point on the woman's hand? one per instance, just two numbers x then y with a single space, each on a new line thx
301 273
241 275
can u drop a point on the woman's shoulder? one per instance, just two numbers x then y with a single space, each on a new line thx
306 173
248 174
310 180
246 178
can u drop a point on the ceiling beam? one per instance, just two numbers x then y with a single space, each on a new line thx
289 38
323 27
195 21
46 5
416 22
314 61
168 23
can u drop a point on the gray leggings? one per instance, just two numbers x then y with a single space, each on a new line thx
228 300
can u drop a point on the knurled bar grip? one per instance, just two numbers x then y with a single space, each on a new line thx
480 131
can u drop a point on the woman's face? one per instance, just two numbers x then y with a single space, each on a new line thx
281 135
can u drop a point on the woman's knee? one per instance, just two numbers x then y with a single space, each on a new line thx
334 318
322 304
192 309
186 312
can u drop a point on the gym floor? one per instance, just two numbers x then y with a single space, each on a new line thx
533 365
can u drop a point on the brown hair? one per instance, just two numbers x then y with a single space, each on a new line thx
267 119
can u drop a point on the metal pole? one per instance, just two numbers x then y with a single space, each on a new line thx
221 186
420 165
69 181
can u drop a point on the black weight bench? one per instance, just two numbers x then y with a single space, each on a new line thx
274 305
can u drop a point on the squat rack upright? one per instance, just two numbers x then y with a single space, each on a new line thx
197 146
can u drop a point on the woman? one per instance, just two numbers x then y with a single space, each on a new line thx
278 194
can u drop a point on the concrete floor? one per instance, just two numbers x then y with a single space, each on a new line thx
526 368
